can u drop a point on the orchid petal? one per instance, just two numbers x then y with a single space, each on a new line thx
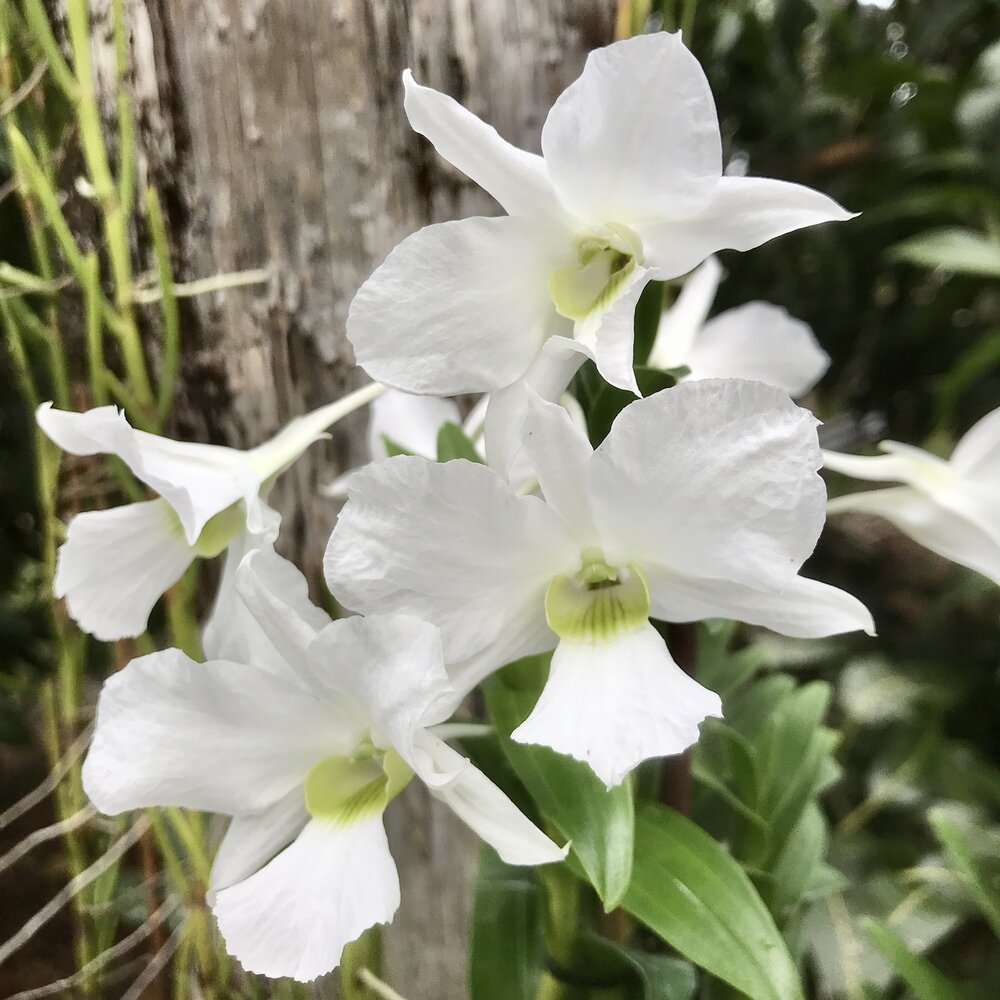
637 135
610 336
219 736
550 373
197 480
559 454
714 479
392 668
977 455
680 324
762 343
482 806
115 565
452 544
295 916
799 607
744 213
456 307
518 180
253 839
943 531
617 703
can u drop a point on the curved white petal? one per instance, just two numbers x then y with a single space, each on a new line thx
280 617
231 632
115 564
904 463
760 342
456 307
219 736
550 373
392 668
799 607
929 524
294 917
744 213
271 458
977 455
482 806
714 479
452 544
615 704
412 422
253 839
679 325
609 337
559 455
518 180
197 480
637 135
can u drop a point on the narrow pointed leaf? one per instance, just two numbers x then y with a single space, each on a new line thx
691 892
921 978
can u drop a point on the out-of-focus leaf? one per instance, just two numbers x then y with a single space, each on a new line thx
719 668
691 892
792 752
982 878
599 822
801 856
452 443
392 449
963 251
844 959
506 955
923 980
652 976
978 361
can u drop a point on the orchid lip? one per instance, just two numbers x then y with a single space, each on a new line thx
599 602
342 790
602 265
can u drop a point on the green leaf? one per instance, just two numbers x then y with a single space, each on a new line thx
961 250
392 449
648 311
506 956
453 443
599 823
922 979
653 976
983 884
691 892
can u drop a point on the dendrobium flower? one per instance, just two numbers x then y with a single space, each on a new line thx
757 341
629 187
116 563
703 501
951 507
303 740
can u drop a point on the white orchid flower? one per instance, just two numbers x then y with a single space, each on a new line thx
951 507
303 741
115 564
756 341
702 502
629 187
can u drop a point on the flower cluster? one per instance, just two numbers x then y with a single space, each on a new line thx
703 501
